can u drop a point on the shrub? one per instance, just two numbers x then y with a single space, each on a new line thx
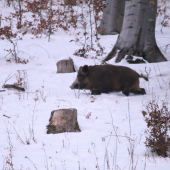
157 117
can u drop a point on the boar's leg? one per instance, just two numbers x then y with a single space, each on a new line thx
125 91
95 92
139 91
143 91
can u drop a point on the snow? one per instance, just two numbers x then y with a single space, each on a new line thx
107 121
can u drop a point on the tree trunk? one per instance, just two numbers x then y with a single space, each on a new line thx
112 17
20 14
70 2
50 19
137 36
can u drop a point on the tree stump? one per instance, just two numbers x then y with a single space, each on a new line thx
70 2
65 66
63 120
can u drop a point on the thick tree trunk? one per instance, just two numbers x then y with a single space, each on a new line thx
112 17
137 36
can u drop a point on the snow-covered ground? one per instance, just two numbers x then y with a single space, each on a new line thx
107 121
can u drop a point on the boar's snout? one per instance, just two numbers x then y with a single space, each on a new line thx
74 85
78 85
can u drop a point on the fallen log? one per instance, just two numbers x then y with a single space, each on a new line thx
13 86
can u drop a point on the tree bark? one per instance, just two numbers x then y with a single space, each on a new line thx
112 17
137 37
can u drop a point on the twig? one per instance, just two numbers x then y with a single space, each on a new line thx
27 140
116 136
18 136
46 158
129 118
97 166
32 130
161 75
8 78
114 126
31 162
9 160
157 76
6 116
77 95
42 48
1 103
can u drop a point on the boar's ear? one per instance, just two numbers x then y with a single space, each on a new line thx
85 68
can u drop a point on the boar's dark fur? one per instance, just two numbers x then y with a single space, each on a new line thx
108 78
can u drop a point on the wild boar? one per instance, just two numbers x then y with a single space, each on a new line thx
108 78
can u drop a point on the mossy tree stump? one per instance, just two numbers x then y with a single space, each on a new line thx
65 66
63 120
